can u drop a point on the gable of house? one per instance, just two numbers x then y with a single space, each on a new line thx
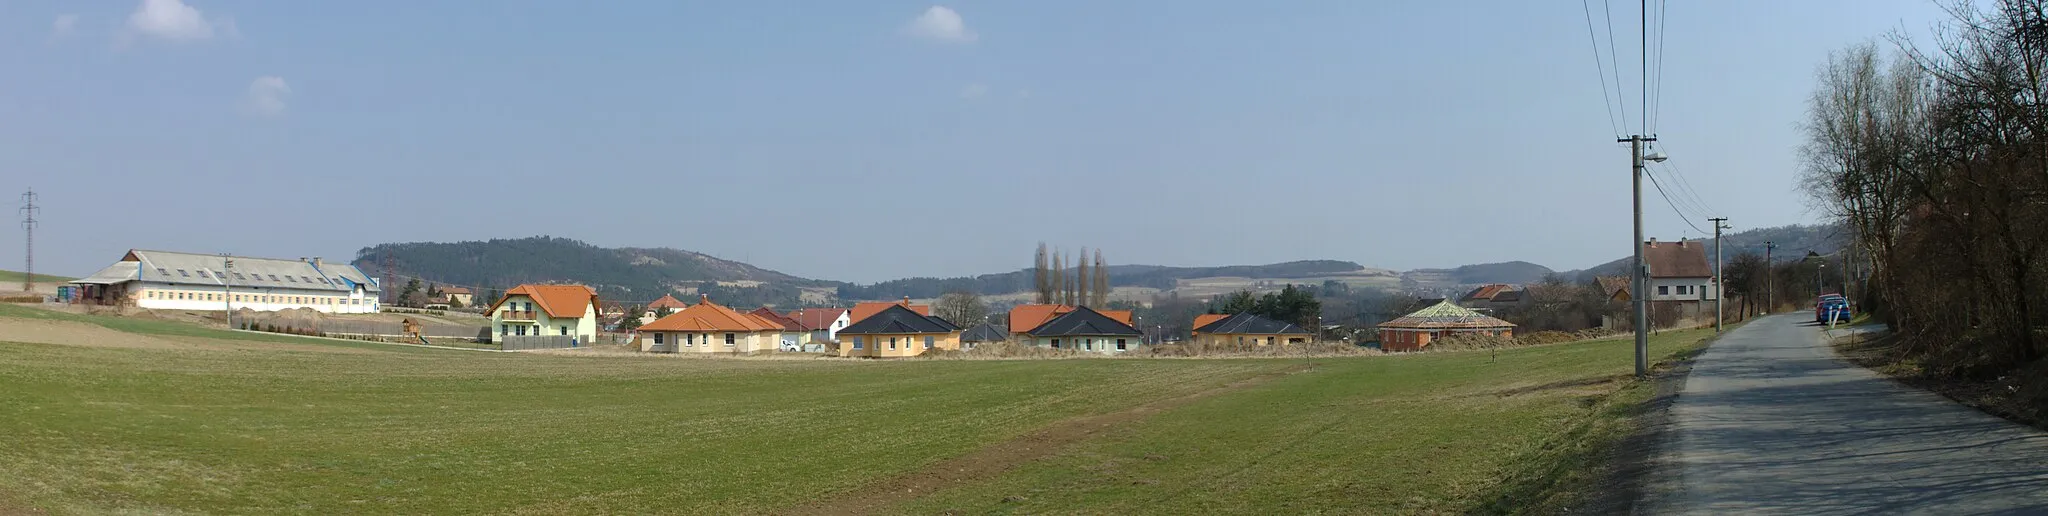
1083 321
707 316
1681 259
864 310
1025 317
558 301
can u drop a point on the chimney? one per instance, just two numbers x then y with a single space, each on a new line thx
906 300
703 298
316 262
1652 243
1681 243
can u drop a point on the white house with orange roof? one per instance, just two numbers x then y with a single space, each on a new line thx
545 310
710 328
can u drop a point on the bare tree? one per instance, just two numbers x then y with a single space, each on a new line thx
1059 279
1041 276
961 308
1102 288
1081 279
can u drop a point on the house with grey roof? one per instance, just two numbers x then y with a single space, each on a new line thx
984 334
1246 330
166 280
1085 329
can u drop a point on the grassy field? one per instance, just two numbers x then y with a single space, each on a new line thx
386 429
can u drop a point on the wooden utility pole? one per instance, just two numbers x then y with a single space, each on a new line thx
1718 288
1770 283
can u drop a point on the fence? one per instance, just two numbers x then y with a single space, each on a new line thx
523 342
367 328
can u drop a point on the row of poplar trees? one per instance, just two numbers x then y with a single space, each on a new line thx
1064 281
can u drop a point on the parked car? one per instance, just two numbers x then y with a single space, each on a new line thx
1831 307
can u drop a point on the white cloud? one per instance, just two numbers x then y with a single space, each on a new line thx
974 91
65 24
940 23
266 96
170 20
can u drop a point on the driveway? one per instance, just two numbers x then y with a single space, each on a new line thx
1771 421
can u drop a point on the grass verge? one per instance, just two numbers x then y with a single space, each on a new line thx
2020 395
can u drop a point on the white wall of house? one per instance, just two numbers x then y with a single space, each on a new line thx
165 296
1683 289
1105 344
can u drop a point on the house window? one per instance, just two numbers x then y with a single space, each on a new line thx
1684 289
856 343
161 271
927 342
1663 290
289 278
1055 343
728 340
689 340
202 273
182 273
1120 344
657 338
519 330
892 343
1088 344
504 329
565 330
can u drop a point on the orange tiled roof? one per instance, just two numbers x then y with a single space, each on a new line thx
1486 292
863 310
667 301
708 316
1024 318
559 301
1206 319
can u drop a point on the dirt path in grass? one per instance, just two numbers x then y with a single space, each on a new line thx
993 460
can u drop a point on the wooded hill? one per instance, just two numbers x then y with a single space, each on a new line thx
625 274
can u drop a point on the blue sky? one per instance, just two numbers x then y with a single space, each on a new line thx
864 141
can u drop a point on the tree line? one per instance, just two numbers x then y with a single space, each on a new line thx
1937 157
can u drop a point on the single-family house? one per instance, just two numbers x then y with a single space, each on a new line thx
794 336
984 334
1415 331
1492 296
823 323
533 310
1247 330
1681 278
1024 318
709 327
456 296
668 304
1084 329
864 309
897 331
166 280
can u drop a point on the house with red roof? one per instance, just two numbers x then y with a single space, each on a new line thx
1024 318
823 323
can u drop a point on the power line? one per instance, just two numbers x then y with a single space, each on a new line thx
1674 206
1688 193
1657 113
1599 67
1614 64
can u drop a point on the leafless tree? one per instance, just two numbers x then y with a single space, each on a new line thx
1102 288
962 308
1041 275
1081 279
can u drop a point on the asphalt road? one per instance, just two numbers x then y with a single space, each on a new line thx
1770 421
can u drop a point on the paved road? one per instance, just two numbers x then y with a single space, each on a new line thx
1770 421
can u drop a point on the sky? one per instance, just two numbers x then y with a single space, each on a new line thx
866 141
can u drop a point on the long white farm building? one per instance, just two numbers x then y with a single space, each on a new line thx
185 281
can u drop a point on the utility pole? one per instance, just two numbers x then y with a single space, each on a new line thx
1768 283
1718 288
1639 275
28 224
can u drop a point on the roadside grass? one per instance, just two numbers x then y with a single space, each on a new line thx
182 329
1429 433
99 430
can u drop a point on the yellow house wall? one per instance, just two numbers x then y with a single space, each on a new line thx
1249 339
907 345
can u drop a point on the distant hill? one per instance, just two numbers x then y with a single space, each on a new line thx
17 276
1154 276
1793 243
626 275
1517 272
